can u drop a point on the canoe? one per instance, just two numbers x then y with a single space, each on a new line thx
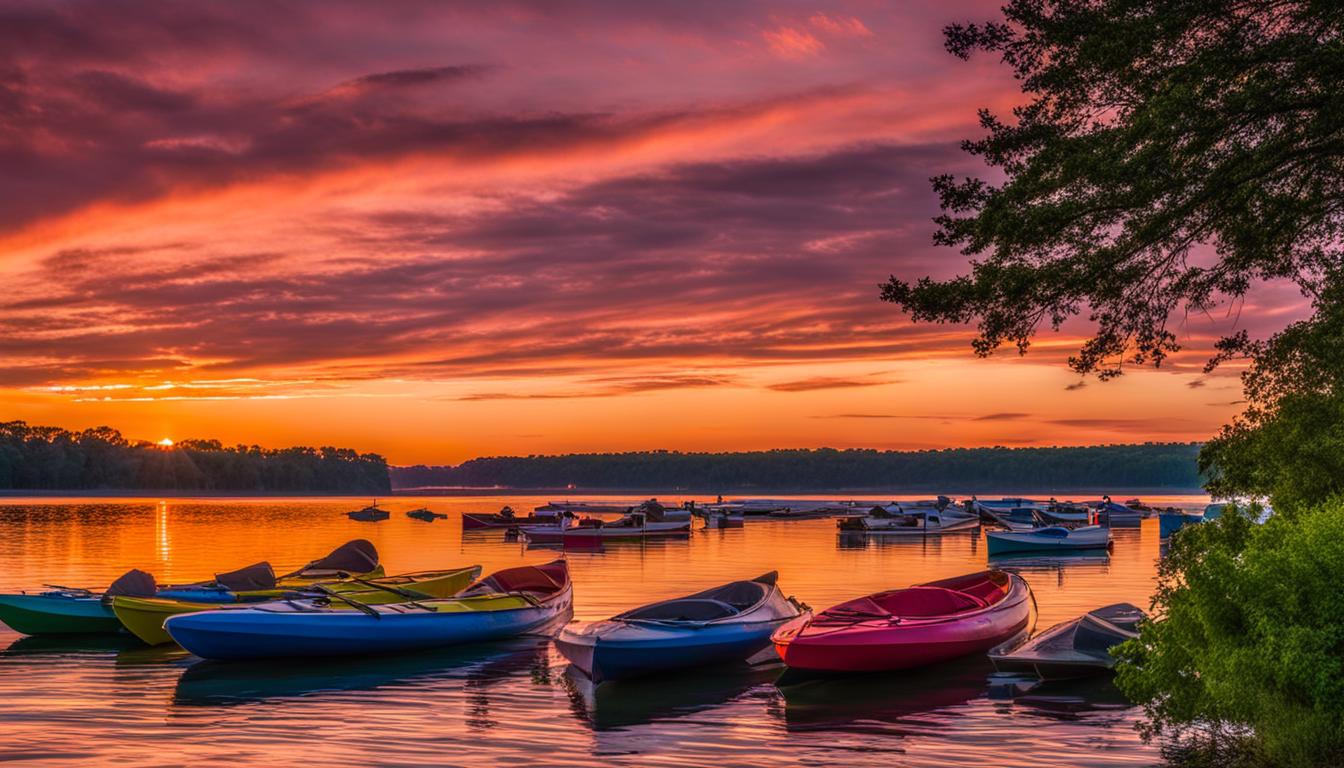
510 602
910 524
1051 539
728 623
144 616
69 611
1076 648
908 628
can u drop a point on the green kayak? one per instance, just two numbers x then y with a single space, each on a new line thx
58 613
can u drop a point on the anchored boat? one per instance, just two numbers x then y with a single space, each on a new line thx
1050 539
425 515
369 514
507 518
725 624
507 603
918 522
1076 648
635 525
912 627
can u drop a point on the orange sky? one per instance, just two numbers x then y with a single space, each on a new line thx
518 228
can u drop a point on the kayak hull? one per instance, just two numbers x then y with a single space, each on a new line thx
57 615
242 634
144 617
635 651
884 646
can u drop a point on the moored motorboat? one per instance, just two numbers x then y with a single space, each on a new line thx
1010 513
912 627
507 603
636 525
1117 516
370 514
1062 513
1076 648
71 611
144 616
425 514
1049 539
725 624
917 522
506 518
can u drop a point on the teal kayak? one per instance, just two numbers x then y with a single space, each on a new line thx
58 612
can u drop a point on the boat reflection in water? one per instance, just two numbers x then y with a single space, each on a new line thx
216 683
640 701
955 544
866 702
71 644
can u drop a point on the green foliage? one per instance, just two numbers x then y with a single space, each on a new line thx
49 458
1289 443
1170 465
1169 154
1252 634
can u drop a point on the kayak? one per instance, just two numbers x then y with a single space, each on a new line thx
725 624
71 611
144 616
507 603
1077 648
1050 539
908 628
356 558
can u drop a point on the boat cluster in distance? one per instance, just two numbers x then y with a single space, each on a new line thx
345 605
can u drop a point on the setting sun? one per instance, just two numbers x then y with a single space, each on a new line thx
166 442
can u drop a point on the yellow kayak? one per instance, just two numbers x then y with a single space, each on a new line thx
144 616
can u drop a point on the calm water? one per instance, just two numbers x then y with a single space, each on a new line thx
514 703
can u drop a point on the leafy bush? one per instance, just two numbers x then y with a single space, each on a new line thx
1251 642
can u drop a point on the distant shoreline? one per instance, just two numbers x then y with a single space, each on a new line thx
580 493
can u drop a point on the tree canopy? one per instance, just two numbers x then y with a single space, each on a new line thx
50 458
1170 154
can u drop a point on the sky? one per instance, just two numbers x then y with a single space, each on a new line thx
440 230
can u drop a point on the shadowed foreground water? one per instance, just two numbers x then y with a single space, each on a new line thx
112 701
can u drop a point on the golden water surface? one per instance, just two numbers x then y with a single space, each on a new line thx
98 701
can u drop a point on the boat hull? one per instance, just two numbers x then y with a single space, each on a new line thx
606 532
638 651
1169 523
253 633
1007 542
881 646
57 615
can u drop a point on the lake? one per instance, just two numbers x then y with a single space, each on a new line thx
112 701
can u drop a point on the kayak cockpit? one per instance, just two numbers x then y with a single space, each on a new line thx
722 602
939 599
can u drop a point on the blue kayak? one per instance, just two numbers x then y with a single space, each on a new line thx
729 623
508 603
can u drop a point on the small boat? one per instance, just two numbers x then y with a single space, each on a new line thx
716 516
355 558
908 628
505 518
144 616
507 603
1173 520
728 623
1053 538
425 514
633 526
69 610
1117 516
1010 513
369 514
1072 649
914 523
1056 513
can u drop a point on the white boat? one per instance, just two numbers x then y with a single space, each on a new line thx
633 526
1051 539
919 522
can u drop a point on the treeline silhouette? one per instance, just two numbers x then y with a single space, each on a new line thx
50 458
1156 465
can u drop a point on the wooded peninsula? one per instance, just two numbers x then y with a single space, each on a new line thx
1147 465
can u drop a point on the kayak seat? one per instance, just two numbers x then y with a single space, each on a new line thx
687 609
924 602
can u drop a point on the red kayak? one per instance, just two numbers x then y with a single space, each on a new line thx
906 628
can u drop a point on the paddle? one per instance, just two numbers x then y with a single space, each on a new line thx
410 596
352 603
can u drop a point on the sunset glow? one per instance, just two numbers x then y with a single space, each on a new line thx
519 228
